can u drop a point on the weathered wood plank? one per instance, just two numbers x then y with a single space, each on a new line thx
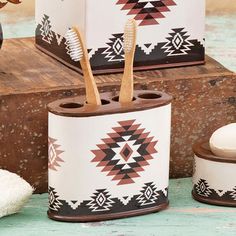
184 217
204 99
24 69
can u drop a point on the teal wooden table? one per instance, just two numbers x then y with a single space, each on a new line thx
184 217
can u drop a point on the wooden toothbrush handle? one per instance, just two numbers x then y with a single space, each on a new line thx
127 83
92 94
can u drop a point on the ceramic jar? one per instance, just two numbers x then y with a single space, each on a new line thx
214 178
170 32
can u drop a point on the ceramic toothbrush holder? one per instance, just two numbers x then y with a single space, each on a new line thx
109 161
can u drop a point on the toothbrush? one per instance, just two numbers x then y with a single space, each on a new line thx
78 53
127 87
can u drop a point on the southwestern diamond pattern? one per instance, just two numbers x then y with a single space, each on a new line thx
178 43
149 194
46 30
146 11
203 188
53 197
125 152
101 201
114 51
233 194
54 152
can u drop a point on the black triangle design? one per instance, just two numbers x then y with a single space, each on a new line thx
147 45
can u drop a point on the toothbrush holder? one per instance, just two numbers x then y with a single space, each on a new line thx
109 161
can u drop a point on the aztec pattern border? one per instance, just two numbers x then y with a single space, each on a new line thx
178 48
202 188
147 12
101 202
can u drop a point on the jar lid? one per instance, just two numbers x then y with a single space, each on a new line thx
202 149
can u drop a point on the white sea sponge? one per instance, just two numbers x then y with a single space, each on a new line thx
14 193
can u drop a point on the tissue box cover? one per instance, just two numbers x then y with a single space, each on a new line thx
170 32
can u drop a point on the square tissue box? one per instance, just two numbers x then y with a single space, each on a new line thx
170 32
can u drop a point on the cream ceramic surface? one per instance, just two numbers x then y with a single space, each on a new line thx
77 138
214 182
219 175
63 14
78 141
100 21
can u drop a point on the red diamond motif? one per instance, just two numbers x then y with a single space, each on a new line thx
126 152
148 12
127 140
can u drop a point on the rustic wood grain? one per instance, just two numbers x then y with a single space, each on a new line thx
204 99
24 70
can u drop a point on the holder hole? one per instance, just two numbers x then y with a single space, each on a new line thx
116 99
71 105
149 96
105 102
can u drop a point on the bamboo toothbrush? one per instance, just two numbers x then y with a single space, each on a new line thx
127 83
78 52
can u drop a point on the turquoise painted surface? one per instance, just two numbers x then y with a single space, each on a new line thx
221 39
25 27
220 36
184 217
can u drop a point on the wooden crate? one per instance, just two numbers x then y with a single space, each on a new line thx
204 99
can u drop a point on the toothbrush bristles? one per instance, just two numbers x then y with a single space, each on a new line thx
129 35
75 49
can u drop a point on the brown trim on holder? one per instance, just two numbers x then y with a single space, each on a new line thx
77 107
120 70
212 201
202 150
112 216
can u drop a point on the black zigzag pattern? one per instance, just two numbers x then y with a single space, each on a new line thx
203 189
103 203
